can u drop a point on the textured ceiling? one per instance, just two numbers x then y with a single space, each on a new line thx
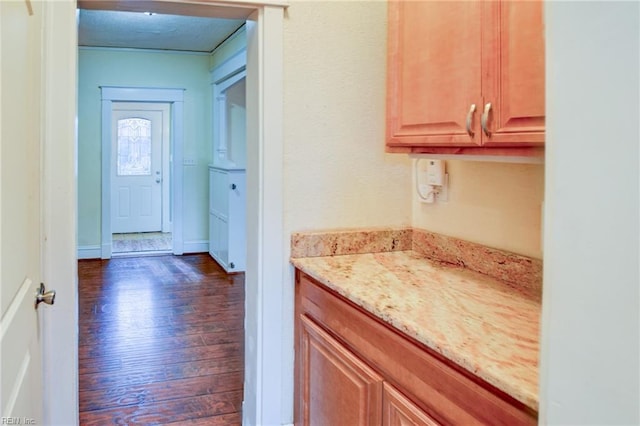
99 28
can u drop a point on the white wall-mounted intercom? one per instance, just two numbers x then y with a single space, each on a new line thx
435 172
431 180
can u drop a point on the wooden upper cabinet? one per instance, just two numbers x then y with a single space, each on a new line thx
434 72
337 387
513 73
445 57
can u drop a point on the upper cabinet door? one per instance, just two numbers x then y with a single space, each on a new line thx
513 73
434 73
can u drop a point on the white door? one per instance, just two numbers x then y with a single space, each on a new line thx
20 212
136 167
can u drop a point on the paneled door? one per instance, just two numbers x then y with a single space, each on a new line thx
137 166
434 91
20 213
338 388
513 60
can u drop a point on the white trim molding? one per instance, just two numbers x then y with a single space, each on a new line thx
268 330
231 9
141 50
196 246
59 108
143 94
232 65
89 252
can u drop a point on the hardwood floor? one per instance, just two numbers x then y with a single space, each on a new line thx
160 342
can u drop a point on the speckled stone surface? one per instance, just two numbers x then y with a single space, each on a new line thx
485 325
518 270
331 243
521 271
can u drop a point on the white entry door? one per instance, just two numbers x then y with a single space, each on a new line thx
137 166
20 212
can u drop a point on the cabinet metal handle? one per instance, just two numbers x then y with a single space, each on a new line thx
233 186
472 109
485 119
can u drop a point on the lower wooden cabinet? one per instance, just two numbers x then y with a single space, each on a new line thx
398 410
353 369
339 389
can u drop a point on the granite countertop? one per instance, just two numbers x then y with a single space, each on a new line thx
485 325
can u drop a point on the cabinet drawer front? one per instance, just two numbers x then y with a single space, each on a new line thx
442 389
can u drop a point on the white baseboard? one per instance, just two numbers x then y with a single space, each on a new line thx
89 252
197 246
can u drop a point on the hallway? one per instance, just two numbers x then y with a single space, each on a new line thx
160 341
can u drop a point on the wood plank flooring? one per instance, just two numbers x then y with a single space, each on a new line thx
160 342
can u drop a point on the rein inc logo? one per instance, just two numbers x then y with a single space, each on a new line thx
17 421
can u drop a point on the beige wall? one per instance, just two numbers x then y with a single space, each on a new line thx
336 174
495 204
335 170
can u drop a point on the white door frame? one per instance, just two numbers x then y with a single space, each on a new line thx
268 394
175 97
59 112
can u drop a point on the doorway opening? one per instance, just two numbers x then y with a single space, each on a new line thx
267 397
142 147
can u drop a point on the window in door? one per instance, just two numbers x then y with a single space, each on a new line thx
134 147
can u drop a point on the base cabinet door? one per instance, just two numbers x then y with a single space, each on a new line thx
227 205
398 410
337 387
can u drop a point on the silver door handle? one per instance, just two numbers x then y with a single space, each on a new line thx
485 119
47 297
469 118
157 180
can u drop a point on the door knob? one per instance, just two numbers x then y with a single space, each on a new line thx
157 180
47 297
